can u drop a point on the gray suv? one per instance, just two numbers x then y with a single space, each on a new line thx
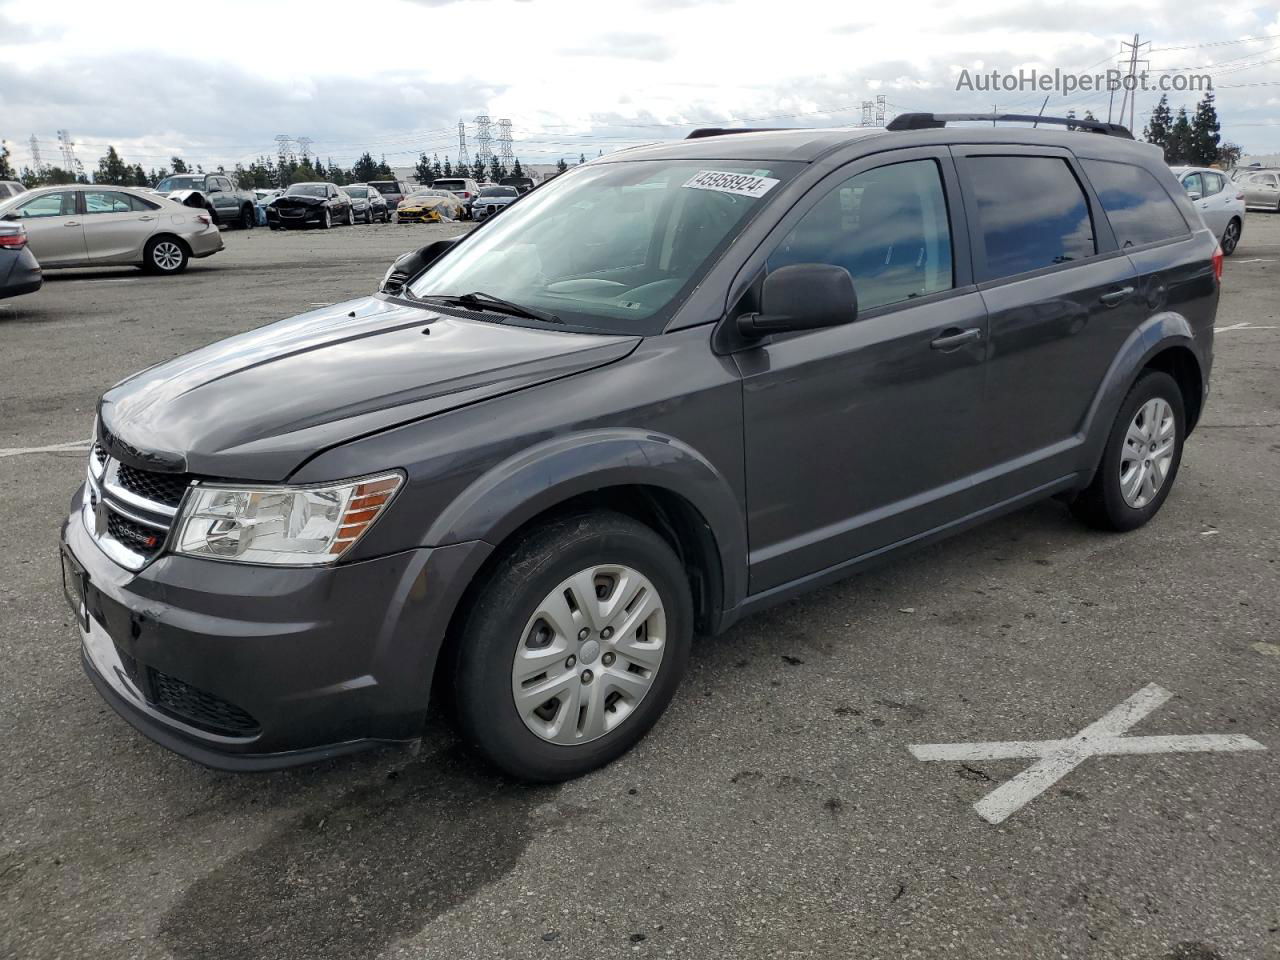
673 387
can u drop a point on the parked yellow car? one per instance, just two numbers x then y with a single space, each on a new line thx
430 206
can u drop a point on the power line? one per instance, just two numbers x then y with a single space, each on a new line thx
1217 43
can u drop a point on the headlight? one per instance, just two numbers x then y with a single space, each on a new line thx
281 525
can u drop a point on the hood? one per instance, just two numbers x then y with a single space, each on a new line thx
258 405
297 201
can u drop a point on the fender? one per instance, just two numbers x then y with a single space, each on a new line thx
1158 332
540 477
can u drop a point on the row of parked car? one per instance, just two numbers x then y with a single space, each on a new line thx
325 204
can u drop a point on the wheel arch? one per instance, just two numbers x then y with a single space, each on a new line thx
657 480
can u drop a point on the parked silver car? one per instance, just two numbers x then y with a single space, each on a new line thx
1220 202
80 225
492 201
1262 189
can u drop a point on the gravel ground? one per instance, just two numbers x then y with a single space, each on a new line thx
775 812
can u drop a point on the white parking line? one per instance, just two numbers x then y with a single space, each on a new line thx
1255 260
107 280
52 448
1246 325
1057 758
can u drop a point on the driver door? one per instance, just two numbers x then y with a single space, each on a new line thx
55 228
866 435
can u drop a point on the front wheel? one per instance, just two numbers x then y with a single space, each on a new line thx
326 219
1140 463
351 216
248 218
572 650
1231 238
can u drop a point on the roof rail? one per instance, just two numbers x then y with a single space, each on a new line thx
932 121
717 131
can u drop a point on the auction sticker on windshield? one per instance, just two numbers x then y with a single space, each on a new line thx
743 184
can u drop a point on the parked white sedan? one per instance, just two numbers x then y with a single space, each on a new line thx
79 225
1219 200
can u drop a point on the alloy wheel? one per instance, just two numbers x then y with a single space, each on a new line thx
589 654
167 256
1149 445
1230 238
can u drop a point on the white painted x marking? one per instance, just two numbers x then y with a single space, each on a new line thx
1057 758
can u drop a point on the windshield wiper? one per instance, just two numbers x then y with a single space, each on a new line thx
479 300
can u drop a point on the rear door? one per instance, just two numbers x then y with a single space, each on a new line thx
1262 190
1216 202
864 435
1061 300
55 228
117 226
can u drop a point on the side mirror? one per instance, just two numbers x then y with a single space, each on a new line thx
803 296
411 264
11 216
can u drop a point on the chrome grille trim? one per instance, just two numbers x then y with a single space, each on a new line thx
101 488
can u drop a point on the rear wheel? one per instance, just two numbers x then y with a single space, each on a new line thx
1140 463
165 255
1231 237
573 649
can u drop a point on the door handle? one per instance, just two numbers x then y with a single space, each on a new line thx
1115 296
72 223
954 337
146 218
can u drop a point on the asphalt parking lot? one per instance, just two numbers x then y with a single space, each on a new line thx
777 811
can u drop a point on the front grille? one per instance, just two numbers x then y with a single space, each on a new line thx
138 538
199 708
166 488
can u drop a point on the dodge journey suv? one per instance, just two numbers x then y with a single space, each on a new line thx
670 388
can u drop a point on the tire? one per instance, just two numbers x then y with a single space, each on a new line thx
351 216
368 215
165 256
1109 503
1230 237
326 219
248 218
504 621
273 226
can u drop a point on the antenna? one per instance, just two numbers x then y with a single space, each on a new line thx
484 153
505 155
464 158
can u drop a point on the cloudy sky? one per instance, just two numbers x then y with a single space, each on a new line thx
218 82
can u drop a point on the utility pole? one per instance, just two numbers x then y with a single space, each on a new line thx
464 158
35 155
282 151
1130 98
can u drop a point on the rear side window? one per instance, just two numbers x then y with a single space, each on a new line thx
888 227
1032 213
1139 208
1213 183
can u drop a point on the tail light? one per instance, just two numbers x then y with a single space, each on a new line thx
1239 196
205 219
14 241
1217 264
466 195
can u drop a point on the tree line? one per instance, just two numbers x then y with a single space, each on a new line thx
1194 140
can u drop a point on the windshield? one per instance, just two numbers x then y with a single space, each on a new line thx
307 190
499 192
356 191
612 246
170 184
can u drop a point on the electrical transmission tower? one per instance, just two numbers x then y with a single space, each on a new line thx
68 148
880 105
282 151
464 158
36 161
1130 82
505 156
484 152
304 145
867 108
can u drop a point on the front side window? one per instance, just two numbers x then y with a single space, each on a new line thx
888 227
170 184
1193 183
1032 213
1140 210
611 246
49 205
106 201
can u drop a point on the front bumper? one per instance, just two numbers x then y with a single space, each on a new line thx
296 217
417 216
251 668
